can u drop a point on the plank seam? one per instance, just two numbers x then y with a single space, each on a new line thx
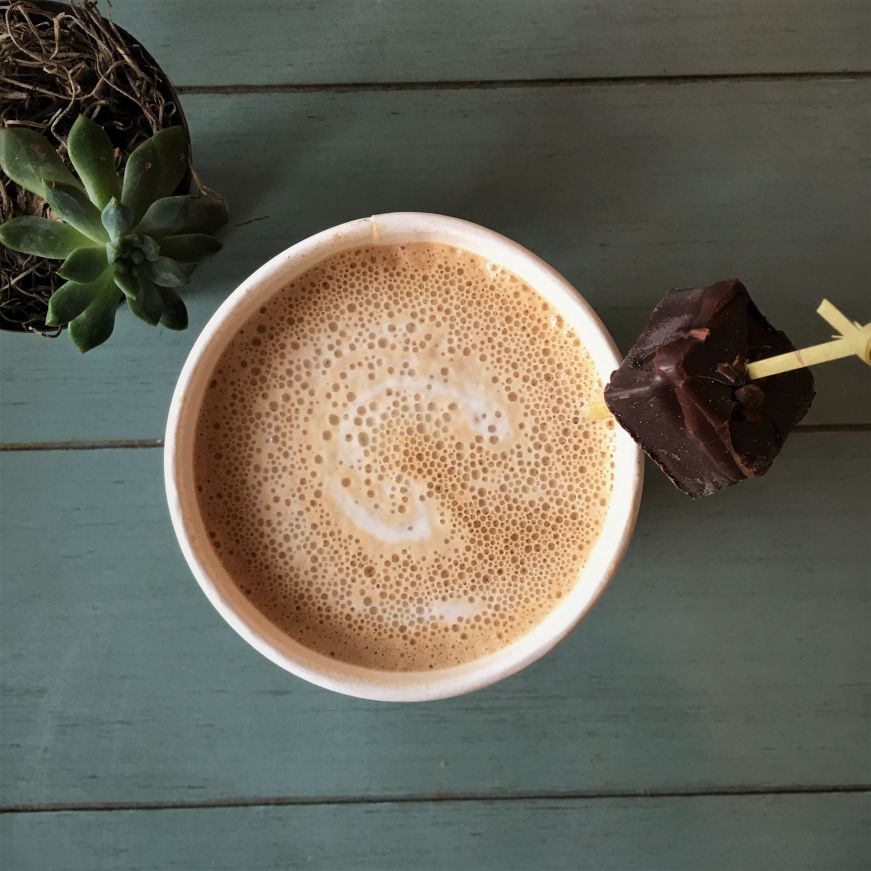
438 798
106 444
113 444
497 84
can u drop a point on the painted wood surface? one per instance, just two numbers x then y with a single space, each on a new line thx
628 190
731 654
731 651
710 833
297 41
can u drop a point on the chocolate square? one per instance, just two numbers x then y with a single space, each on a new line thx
684 395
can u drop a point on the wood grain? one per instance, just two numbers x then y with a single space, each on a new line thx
628 190
730 652
713 833
297 41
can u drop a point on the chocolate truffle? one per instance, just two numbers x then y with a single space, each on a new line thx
684 395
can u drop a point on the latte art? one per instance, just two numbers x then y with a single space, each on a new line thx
390 459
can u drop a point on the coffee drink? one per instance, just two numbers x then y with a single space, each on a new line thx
391 461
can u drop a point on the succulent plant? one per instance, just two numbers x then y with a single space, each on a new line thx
115 236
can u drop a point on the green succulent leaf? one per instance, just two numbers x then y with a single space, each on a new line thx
126 281
114 250
117 219
190 247
29 160
150 248
92 155
174 216
147 304
84 265
71 204
167 273
175 315
68 302
95 324
31 235
89 309
154 170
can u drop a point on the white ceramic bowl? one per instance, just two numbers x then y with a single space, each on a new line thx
257 630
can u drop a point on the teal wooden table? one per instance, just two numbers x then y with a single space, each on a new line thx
713 711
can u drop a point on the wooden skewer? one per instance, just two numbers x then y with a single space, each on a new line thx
836 319
853 339
811 356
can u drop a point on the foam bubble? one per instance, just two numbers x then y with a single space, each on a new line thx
391 460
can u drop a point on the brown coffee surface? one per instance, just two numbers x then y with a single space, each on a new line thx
391 461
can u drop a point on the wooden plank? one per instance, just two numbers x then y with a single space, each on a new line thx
731 651
296 41
628 190
710 833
